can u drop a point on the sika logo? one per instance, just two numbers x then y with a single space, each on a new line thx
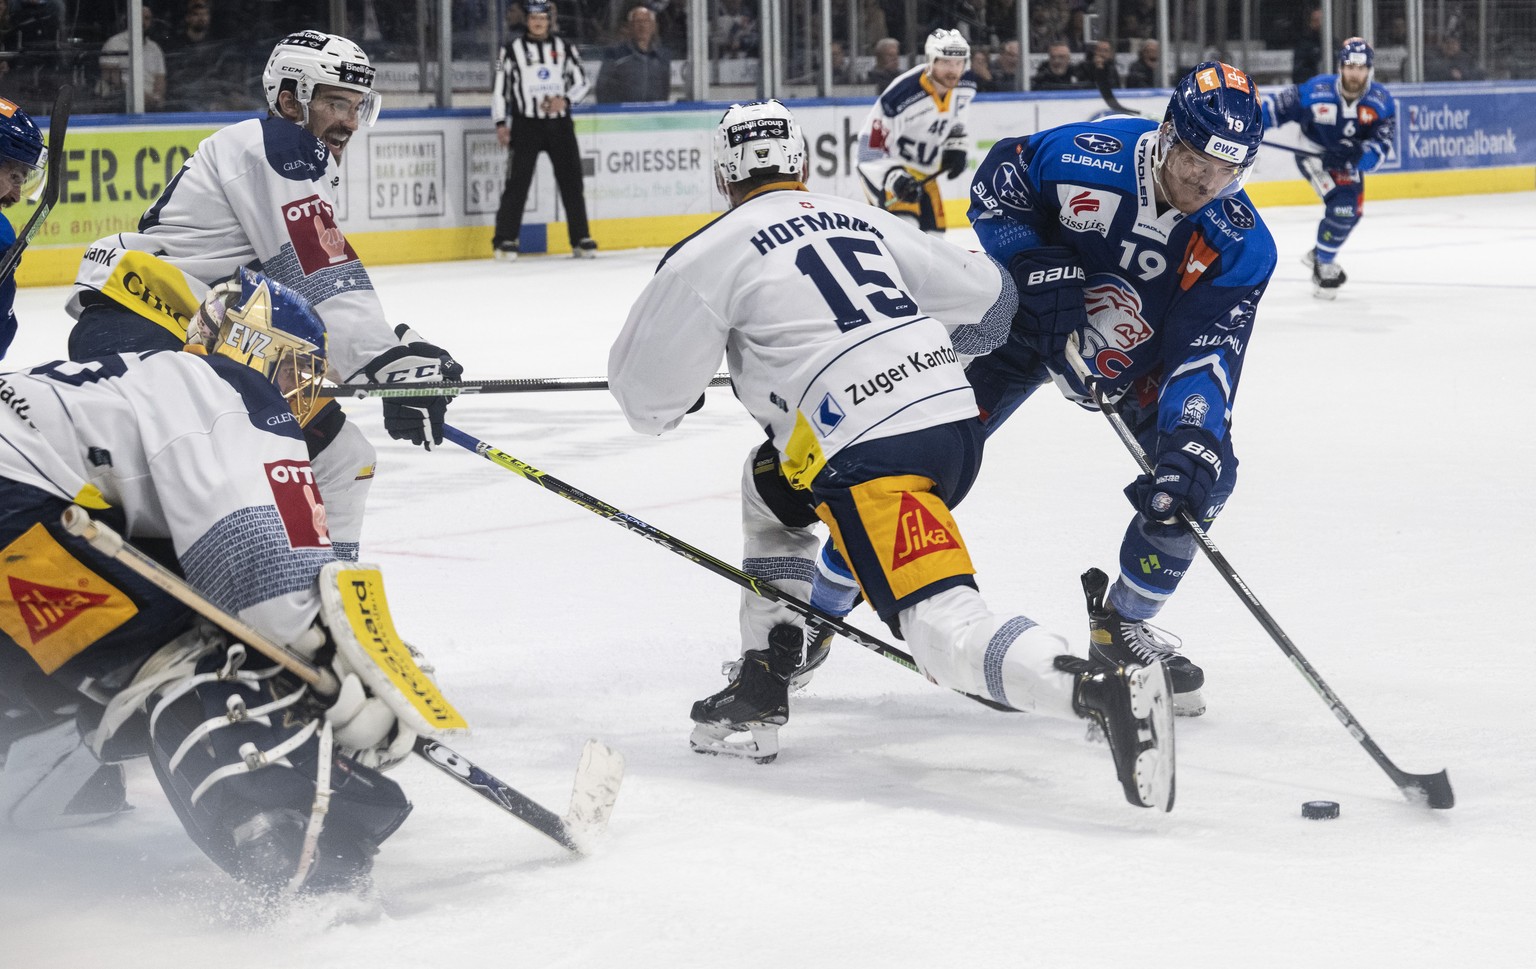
45 609
918 533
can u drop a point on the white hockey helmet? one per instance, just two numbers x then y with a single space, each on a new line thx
308 58
757 138
947 45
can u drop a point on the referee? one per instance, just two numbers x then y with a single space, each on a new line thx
540 75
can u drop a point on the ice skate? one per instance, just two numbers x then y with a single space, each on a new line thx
1327 277
585 249
815 655
505 252
1131 706
1126 642
756 701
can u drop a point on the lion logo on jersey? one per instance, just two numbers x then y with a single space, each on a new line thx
1116 325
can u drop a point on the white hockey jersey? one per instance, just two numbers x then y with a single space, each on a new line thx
198 450
835 320
259 193
910 127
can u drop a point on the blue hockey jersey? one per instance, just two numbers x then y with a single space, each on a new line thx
1328 120
1170 297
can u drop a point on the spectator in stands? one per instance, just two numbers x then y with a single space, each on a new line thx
34 33
1099 66
1004 69
639 69
1446 61
1307 58
887 64
1003 19
734 32
981 68
1056 74
1143 70
114 64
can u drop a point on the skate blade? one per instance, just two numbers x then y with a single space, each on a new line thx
712 738
1319 292
1152 777
1191 704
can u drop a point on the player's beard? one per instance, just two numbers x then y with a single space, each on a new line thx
336 139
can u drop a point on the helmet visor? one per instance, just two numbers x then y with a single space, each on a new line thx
1197 173
23 179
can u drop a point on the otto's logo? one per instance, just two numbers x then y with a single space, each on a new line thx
918 533
317 240
1085 202
45 609
1098 144
297 498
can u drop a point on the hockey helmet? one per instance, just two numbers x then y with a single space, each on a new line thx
307 58
1215 112
1357 52
269 328
758 138
22 153
947 45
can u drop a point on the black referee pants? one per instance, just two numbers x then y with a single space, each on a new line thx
555 137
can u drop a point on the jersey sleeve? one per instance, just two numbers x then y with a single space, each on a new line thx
576 81
1203 354
1381 146
1283 107
1009 208
668 350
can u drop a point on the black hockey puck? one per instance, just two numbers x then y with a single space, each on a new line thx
1320 810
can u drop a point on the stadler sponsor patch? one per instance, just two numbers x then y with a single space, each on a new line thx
297 497
51 603
316 238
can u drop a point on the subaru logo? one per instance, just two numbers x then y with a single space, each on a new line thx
1098 144
1238 214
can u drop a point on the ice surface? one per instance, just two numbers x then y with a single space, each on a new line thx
1384 515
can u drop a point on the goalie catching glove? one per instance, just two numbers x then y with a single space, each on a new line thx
386 700
415 419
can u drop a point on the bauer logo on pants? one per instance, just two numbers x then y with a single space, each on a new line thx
297 497
317 240
51 604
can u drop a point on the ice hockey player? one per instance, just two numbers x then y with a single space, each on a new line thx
843 326
199 454
916 131
22 160
1350 120
263 192
1136 237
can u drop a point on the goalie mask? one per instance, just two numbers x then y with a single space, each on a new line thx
270 329
1210 135
758 139
22 155
308 58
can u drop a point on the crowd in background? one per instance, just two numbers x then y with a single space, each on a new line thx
207 54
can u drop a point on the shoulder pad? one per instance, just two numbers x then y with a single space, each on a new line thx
268 411
292 151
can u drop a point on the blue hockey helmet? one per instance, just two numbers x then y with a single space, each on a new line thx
1215 112
1357 52
23 155
269 328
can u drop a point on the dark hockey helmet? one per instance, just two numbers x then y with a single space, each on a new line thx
22 154
1357 52
269 328
1215 111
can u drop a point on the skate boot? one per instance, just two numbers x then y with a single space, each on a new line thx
1327 277
756 701
815 655
1130 705
1126 642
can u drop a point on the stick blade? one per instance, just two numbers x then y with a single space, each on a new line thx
1432 789
598 777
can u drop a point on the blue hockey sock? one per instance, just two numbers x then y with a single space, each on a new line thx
833 589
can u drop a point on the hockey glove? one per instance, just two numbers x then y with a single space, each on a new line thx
415 419
1188 464
903 187
1344 156
1051 304
953 162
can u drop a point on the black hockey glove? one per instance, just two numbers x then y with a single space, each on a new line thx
415 419
1344 156
1188 464
903 187
953 162
1051 305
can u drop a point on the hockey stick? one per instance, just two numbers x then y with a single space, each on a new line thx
1304 153
814 617
57 123
1435 789
597 777
462 388
1108 95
